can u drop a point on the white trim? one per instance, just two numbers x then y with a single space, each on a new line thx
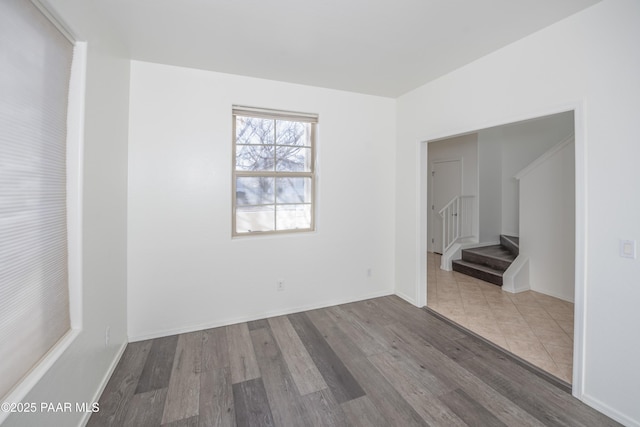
408 299
47 11
579 109
545 156
20 390
455 251
75 156
256 316
553 294
422 246
103 384
581 241
516 278
431 212
270 113
483 244
446 160
609 411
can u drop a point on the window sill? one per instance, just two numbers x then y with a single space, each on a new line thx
29 381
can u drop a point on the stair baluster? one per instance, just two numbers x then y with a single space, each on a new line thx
457 220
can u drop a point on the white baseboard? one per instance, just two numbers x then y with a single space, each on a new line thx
483 244
516 278
31 379
256 316
553 294
610 412
407 298
103 383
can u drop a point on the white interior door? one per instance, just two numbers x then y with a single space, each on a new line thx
446 183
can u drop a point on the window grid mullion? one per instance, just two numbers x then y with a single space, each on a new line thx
275 170
277 145
276 204
274 174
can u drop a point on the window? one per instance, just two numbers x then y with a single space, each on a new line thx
274 171
35 73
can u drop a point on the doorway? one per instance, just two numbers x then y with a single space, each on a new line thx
446 184
536 326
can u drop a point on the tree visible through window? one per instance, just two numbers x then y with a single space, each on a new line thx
273 171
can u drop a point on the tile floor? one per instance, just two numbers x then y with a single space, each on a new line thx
534 326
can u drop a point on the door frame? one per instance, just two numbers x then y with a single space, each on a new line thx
432 212
580 258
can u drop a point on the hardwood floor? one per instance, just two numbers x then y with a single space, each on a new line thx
380 362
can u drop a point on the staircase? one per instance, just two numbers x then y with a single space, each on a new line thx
488 263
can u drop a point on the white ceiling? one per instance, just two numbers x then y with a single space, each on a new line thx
379 47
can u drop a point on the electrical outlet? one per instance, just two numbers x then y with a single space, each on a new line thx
107 336
628 249
280 285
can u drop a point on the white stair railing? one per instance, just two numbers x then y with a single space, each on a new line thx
457 220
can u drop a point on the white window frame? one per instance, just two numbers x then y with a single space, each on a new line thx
74 186
271 114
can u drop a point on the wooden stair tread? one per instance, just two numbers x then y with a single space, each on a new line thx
494 251
481 272
511 243
488 263
480 267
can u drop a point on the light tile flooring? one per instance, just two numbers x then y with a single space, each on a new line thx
534 326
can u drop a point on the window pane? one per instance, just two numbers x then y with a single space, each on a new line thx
293 159
254 157
293 133
293 190
254 218
291 217
251 130
273 170
254 191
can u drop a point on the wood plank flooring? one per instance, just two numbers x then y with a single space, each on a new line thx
379 362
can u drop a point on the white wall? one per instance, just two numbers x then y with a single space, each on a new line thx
520 144
590 59
185 270
490 151
78 375
464 148
547 223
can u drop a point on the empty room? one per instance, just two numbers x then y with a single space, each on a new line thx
223 213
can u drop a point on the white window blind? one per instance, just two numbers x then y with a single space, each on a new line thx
35 66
